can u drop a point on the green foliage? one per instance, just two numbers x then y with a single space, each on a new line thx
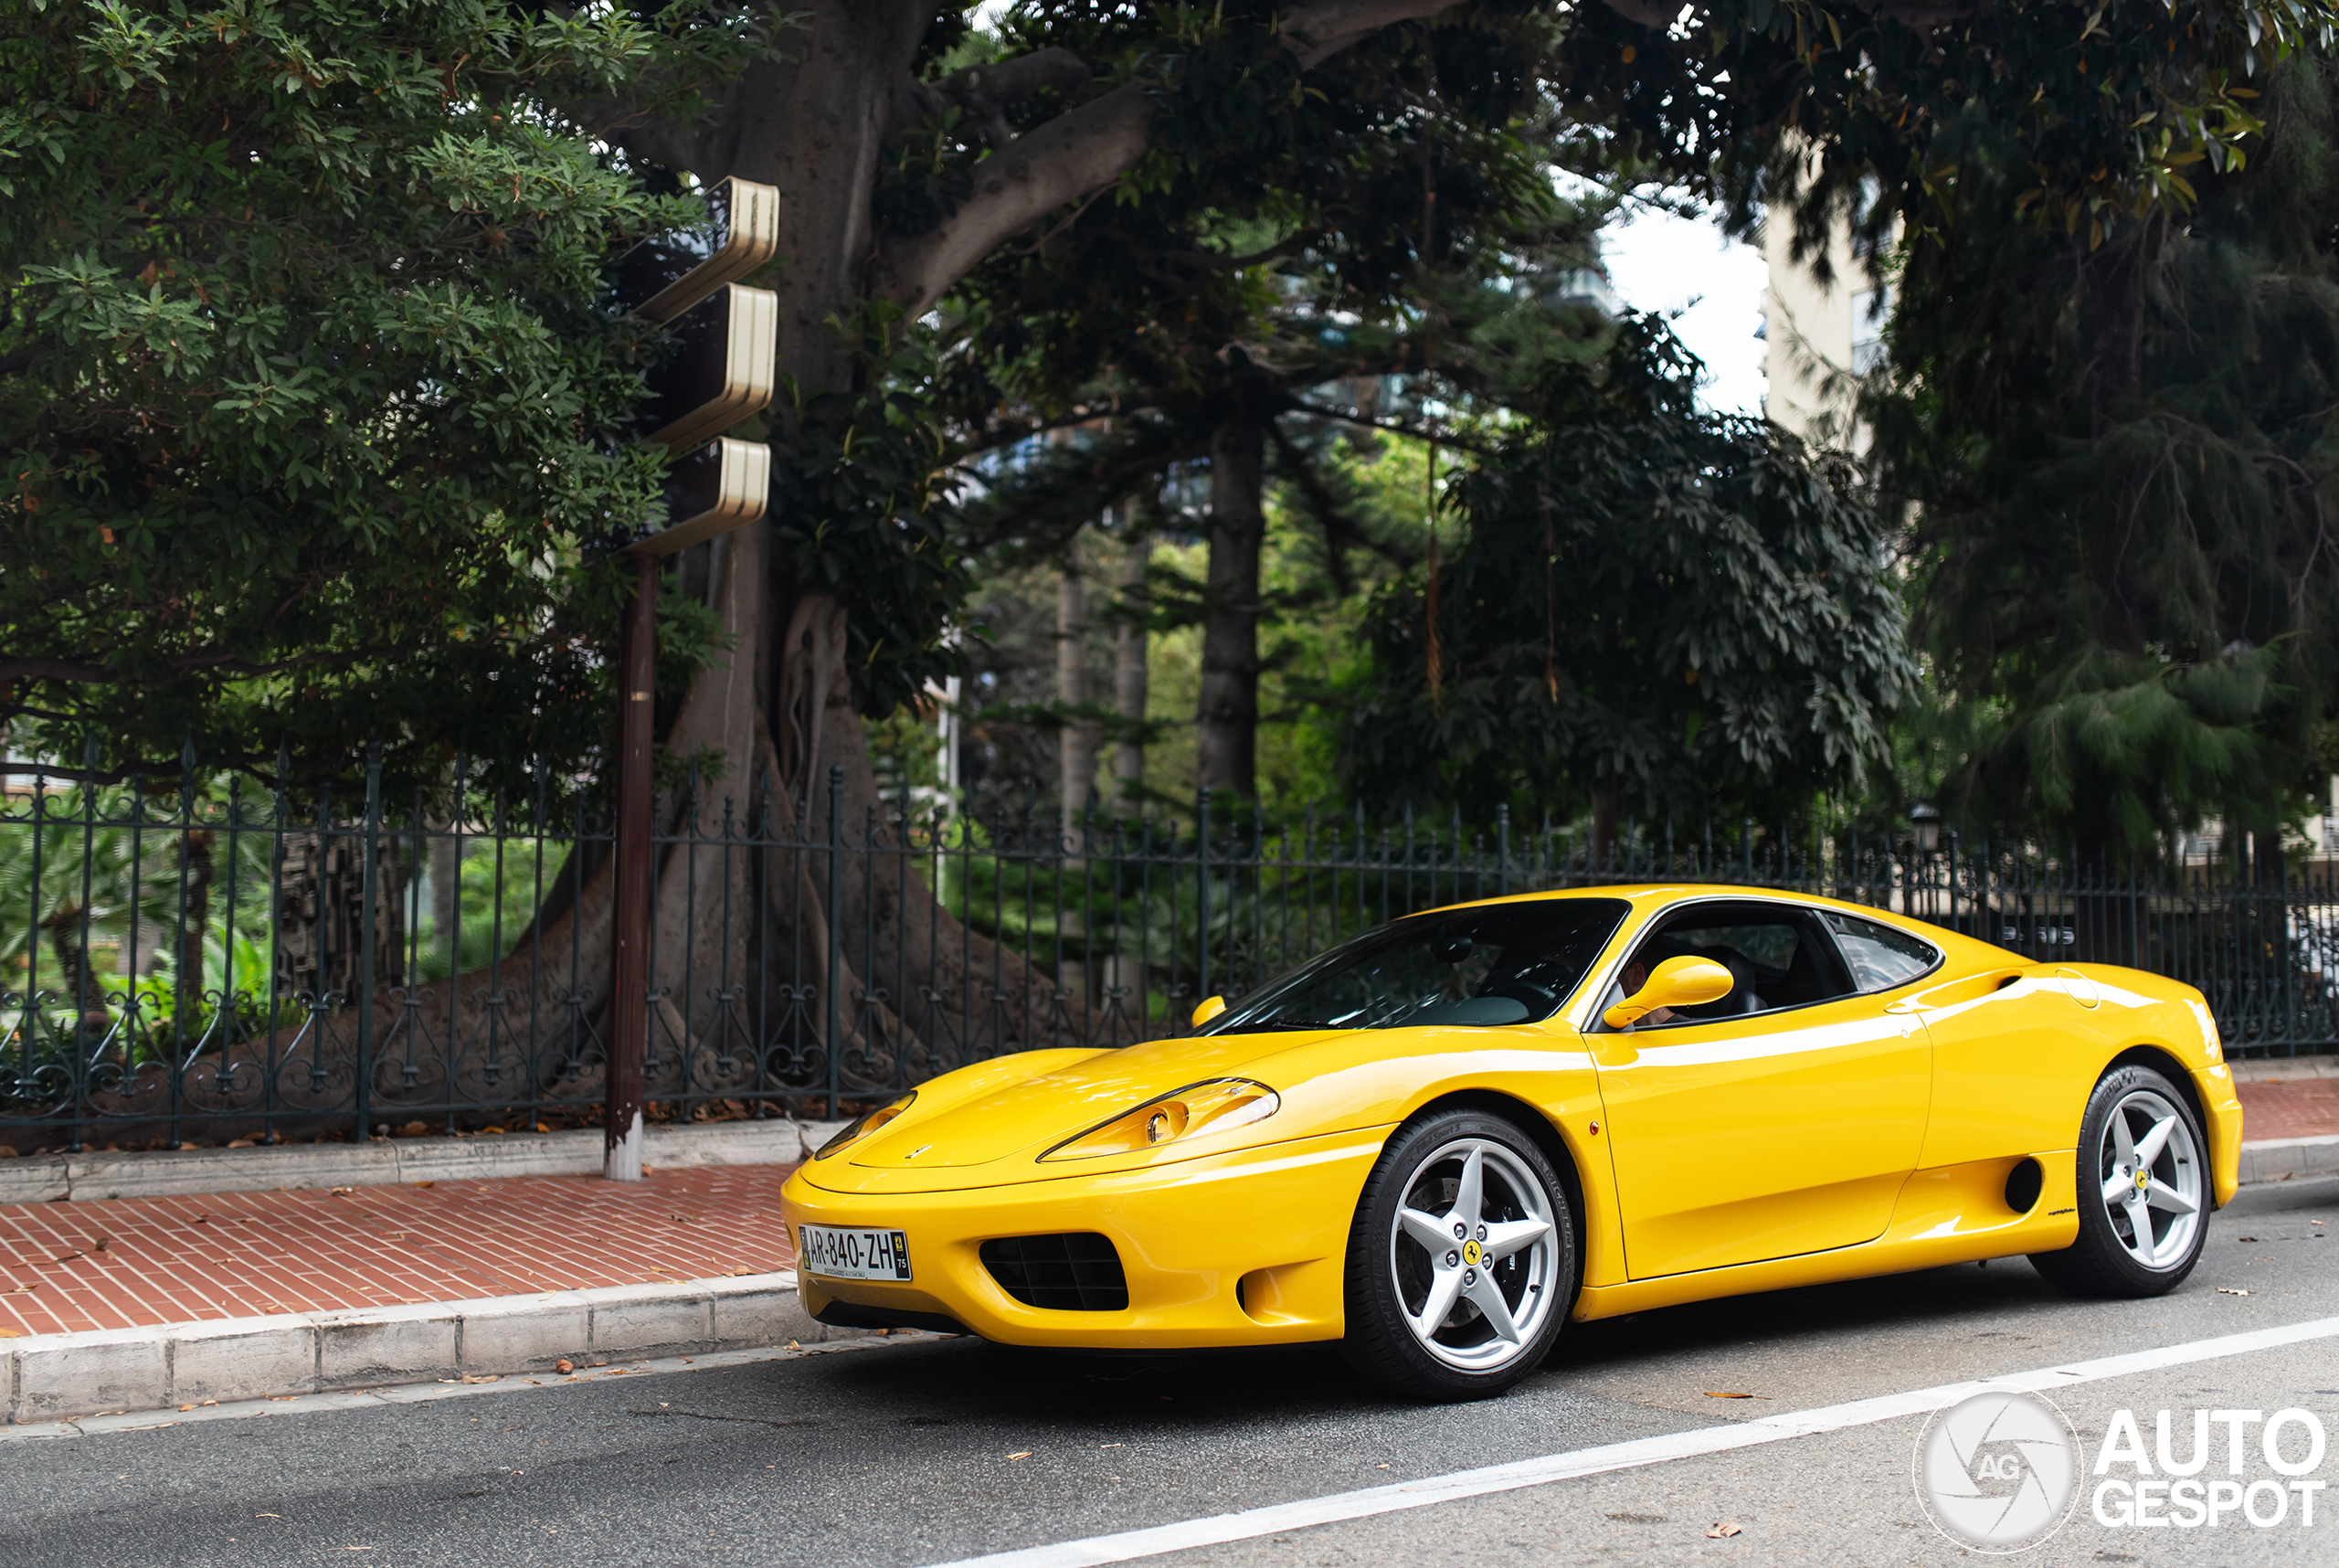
305 389
2125 560
1653 606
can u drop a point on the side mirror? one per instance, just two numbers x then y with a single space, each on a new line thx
1676 982
1213 1006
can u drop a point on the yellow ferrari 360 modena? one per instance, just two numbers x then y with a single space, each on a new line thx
1438 1142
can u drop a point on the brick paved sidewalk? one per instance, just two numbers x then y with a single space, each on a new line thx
141 1262
2299 1108
138 1262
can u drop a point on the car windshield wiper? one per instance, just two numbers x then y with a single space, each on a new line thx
1299 1023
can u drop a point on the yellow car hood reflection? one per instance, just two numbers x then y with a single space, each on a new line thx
981 1117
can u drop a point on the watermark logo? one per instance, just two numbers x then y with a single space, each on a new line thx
1998 1471
2172 1480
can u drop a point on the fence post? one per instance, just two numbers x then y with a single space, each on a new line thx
836 930
1502 849
1202 893
371 891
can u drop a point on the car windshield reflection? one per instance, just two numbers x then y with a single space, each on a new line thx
1505 963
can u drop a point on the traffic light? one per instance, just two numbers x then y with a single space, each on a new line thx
723 364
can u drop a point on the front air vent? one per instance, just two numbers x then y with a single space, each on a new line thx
1075 1272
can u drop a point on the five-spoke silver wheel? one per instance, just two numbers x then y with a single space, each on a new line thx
2151 1171
1473 1252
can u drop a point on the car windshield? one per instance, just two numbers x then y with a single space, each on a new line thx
1503 963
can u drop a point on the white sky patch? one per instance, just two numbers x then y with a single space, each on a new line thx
1660 262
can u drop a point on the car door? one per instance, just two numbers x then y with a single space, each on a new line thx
1781 1120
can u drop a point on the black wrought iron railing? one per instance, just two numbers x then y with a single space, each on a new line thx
220 964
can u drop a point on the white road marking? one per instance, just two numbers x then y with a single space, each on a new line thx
426 1393
1254 1522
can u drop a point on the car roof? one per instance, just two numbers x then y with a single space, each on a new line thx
1649 895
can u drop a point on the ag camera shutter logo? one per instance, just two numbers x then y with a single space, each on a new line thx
1998 1471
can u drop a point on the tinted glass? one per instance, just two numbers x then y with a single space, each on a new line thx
1880 957
1506 963
1776 959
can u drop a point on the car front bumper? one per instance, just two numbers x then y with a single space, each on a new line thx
1244 1248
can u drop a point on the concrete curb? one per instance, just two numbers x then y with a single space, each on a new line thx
52 1377
172 1173
2284 1158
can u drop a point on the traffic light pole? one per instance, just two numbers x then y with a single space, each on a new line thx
630 962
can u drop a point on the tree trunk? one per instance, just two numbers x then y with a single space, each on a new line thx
1228 716
1129 669
1603 831
1076 750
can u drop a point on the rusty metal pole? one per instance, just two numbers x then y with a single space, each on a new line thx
630 956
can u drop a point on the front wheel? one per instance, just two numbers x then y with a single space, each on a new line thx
2144 1191
1462 1260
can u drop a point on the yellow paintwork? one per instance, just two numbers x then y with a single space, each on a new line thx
1854 1137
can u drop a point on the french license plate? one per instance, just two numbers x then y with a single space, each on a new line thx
838 1253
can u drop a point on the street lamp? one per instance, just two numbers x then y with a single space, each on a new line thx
1925 817
722 370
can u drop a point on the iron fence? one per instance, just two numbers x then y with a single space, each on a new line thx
225 964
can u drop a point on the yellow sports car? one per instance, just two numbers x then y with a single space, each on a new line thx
1438 1142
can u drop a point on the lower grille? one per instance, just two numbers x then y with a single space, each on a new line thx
1075 1272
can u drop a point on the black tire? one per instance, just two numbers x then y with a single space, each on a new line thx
2103 1261
1538 1280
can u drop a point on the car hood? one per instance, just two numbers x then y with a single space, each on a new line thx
992 1114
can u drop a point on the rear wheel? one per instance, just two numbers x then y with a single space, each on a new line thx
2144 1191
1462 1259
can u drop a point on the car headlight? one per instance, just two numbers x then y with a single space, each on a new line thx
866 1125
1220 1105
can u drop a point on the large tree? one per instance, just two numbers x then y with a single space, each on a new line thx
1654 611
2128 574
303 386
898 176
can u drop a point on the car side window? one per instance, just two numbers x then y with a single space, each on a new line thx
1776 956
1880 957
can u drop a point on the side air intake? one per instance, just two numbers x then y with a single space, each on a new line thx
1075 1272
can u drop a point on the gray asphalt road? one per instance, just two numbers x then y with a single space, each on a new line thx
906 1455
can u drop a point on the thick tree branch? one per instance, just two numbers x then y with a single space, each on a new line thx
1050 166
12 670
984 90
1083 150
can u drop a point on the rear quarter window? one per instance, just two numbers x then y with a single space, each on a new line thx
1880 957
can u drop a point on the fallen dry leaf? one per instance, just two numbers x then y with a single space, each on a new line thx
739 1271
483 1377
339 1191
2229 1290
11 1333
2247 1238
1724 1528
1024 1454
1712 1393
426 1183
101 1243
564 1365
794 1346
186 1407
